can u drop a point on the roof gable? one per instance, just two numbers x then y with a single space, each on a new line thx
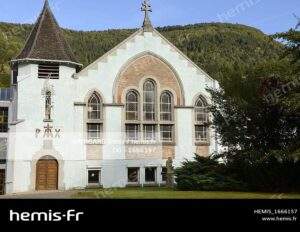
130 39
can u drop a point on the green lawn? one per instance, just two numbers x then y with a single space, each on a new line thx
164 193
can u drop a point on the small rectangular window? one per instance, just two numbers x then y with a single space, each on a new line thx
132 132
150 174
201 133
133 175
94 130
150 132
94 177
166 133
48 71
3 119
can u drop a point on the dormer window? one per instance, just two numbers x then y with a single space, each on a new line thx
50 71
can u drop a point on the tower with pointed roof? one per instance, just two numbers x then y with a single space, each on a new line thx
46 43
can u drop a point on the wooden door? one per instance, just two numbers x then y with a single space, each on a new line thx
47 175
2 181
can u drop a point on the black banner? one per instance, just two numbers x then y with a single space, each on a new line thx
74 212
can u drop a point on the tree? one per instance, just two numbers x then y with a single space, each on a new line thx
257 117
7 51
258 112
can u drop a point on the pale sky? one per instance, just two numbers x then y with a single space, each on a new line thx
270 16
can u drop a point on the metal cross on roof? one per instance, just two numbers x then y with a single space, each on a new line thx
146 7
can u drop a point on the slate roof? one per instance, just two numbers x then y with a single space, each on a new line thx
46 42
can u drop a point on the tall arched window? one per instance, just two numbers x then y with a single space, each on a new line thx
132 106
94 117
149 115
149 110
149 101
166 117
132 116
166 105
94 107
201 120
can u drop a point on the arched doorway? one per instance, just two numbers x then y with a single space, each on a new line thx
47 174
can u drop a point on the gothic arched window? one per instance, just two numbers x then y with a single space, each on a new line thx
132 116
149 110
94 117
166 117
149 93
94 107
201 120
132 106
166 105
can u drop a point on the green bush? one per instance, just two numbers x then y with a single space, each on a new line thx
205 174
274 173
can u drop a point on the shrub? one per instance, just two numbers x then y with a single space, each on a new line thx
205 174
275 172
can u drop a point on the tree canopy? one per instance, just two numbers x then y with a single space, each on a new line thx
218 48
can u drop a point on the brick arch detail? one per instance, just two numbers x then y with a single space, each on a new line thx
148 65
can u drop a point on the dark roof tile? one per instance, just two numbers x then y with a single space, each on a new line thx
46 41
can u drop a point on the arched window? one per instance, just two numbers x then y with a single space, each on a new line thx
94 117
166 116
94 107
166 106
149 101
149 108
132 106
132 116
201 120
148 116
201 113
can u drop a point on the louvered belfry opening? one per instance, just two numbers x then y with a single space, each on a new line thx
50 71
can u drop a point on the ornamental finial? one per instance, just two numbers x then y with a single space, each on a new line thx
146 7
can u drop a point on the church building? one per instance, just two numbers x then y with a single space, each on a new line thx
113 123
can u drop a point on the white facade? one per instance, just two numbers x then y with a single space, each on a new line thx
71 92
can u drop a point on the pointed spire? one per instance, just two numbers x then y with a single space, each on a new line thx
46 41
146 7
46 4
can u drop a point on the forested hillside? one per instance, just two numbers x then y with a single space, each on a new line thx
216 47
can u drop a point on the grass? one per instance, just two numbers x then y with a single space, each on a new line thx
164 193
